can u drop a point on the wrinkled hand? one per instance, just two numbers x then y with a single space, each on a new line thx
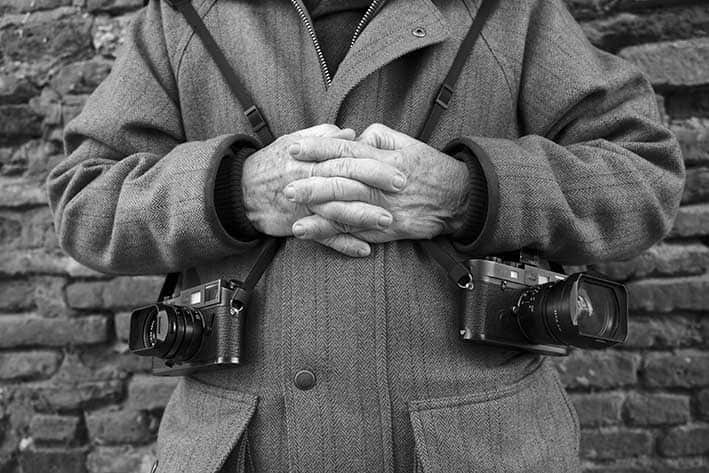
269 170
431 203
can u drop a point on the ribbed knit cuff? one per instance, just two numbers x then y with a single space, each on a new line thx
228 195
477 202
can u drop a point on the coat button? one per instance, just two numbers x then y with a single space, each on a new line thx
304 380
419 32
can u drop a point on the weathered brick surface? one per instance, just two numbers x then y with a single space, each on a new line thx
628 28
27 330
703 403
657 409
112 426
677 63
691 220
147 392
73 399
28 365
610 443
693 136
603 370
688 368
665 295
595 410
685 440
663 332
54 460
49 428
664 259
119 293
124 459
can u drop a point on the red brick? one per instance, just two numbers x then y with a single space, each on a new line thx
27 365
599 369
77 395
691 221
664 259
112 426
53 460
693 137
29 330
15 90
611 443
657 409
667 295
696 186
676 63
663 332
55 428
119 293
703 403
685 369
146 392
124 459
602 409
18 122
685 440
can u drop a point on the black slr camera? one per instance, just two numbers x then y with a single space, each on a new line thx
199 329
523 306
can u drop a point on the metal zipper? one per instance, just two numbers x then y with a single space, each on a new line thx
311 31
371 10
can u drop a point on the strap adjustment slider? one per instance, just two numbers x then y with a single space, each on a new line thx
445 94
255 118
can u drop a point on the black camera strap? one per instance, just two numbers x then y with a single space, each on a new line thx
436 249
457 271
256 120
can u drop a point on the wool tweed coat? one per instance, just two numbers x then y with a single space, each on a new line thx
577 164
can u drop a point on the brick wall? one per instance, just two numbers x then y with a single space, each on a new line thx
72 399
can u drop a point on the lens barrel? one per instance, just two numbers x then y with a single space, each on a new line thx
582 311
167 331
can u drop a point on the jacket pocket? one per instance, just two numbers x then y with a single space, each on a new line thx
529 426
201 426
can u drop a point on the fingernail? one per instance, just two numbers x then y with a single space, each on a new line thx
299 230
289 192
384 221
398 182
363 252
294 149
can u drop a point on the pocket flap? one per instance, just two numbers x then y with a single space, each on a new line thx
201 425
527 427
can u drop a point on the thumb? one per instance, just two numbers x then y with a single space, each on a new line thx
327 130
382 137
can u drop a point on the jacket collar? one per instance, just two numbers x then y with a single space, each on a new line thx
401 27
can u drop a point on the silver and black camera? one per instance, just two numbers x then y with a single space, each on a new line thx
524 306
199 329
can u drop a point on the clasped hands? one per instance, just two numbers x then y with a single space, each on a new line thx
345 191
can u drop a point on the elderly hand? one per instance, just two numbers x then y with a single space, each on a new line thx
269 170
432 202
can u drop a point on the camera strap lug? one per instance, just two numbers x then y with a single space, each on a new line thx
240 299
457 271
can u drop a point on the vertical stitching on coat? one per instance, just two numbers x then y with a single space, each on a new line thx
381 338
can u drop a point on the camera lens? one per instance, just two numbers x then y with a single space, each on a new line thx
167 331
582 311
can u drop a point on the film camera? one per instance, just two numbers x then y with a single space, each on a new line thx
524 306
198 329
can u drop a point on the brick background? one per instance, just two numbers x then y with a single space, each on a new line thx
73 400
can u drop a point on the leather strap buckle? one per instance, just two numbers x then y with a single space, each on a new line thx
445 94
255 118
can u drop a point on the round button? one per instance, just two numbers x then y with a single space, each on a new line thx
304 380
419 32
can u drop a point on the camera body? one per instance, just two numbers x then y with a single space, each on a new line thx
526 307
199 329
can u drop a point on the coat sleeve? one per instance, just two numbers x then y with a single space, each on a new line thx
594 176
133 196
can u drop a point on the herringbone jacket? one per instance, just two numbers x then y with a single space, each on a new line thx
577 164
